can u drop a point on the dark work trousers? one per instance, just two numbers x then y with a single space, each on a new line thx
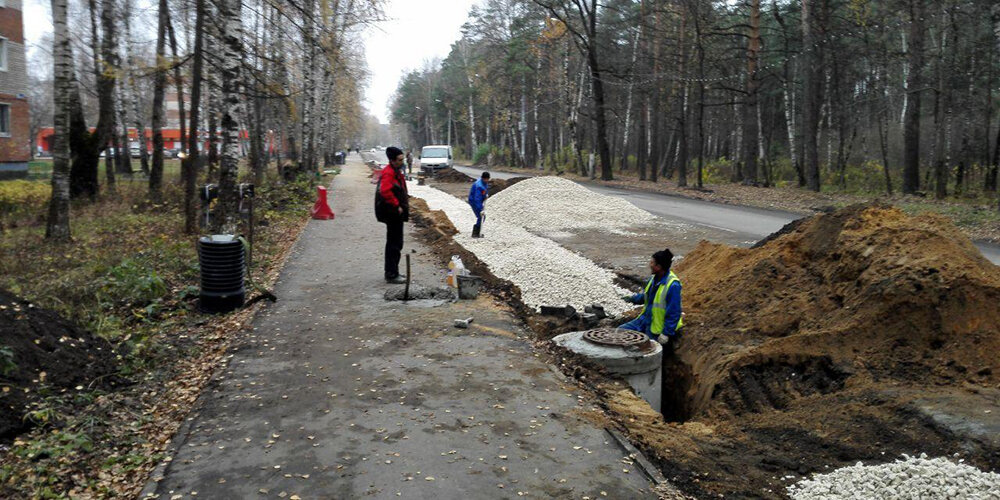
393 247
479 216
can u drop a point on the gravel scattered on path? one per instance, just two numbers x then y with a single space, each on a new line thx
545 272
908 478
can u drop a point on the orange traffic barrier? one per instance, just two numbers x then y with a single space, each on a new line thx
321 210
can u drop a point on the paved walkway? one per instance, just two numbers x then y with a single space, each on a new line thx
338 394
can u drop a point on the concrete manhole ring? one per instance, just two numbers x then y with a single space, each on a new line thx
622 338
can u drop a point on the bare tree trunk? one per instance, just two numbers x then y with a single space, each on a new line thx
681 89
57 225
751 131
131 89
812 62
995 14
86 146
911 122
940 122
111 161
628 99
573 125
189 165
229 72
179 84
159 87
125 161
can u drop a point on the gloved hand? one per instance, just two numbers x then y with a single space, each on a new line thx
663 339
628 298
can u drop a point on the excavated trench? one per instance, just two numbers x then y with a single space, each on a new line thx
678 378
811 349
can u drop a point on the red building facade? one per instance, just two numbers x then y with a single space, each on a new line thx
15 143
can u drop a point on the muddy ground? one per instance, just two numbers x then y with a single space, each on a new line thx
856 336
44 356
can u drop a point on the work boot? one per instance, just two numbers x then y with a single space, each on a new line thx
475 231
398 280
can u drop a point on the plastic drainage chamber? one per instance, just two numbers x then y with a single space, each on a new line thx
223 263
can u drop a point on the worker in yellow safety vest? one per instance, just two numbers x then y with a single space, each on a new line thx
661 318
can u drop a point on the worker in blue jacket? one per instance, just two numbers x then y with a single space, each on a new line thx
478 193
661 318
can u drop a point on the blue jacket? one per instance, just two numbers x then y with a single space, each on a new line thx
478 194
643 322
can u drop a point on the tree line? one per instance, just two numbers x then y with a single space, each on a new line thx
806 92
276 81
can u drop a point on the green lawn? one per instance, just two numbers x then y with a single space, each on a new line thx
41 169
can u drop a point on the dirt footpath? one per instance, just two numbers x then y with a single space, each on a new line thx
337 393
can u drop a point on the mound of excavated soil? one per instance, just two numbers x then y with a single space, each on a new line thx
866 291
498 185
451 175
46 351
834 341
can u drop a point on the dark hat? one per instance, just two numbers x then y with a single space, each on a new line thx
664 258
486 175
392 152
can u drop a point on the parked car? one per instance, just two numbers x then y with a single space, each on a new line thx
435 157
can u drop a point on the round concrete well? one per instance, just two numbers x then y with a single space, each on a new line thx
640 366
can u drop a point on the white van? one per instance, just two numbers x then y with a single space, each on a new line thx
435 158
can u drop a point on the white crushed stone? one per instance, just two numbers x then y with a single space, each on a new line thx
549 203
545 272
907 478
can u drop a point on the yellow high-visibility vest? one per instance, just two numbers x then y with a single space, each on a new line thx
660 305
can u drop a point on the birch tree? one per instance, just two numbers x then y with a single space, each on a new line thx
57 225
230 57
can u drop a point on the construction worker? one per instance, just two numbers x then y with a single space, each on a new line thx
478 193
661 313
409 162
392 207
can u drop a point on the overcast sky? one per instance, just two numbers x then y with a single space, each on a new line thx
416 31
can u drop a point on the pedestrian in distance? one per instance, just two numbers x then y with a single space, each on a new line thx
409 162
478 193
392 207
661 318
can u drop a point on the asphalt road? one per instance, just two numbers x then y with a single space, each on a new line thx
731 223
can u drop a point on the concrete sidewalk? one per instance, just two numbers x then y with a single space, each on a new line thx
337 393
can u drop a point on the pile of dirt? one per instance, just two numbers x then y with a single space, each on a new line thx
498 185
44 354
865 292
451 175
818 347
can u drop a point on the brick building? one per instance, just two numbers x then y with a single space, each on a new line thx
15 144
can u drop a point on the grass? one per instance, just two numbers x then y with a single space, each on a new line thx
41 169
130 275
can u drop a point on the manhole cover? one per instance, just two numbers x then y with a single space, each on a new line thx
623 338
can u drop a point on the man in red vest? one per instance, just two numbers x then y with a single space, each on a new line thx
392 207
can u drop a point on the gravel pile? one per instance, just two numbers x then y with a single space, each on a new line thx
909 478
549 203
545 272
